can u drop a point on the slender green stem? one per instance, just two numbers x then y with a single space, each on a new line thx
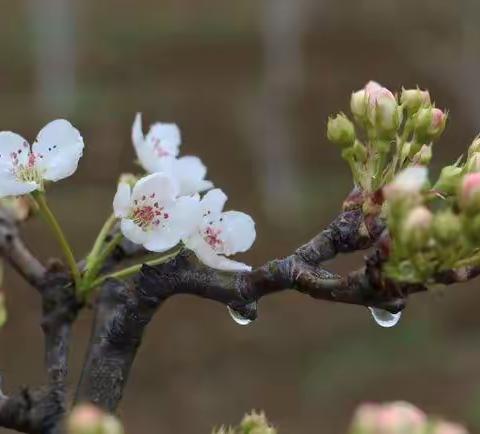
134 269
47 214
97 255
100 240
96 263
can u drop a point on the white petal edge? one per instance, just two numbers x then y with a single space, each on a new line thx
137 131
161 184
58 148
122 200
238 232
213 201
133 232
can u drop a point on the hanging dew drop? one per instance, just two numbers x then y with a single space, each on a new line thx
239 318
384 318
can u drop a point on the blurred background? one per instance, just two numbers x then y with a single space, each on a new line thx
251 84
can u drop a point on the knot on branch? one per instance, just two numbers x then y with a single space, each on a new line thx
34 411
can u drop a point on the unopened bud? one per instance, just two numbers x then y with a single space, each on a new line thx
473 163
416 229
341 131
429 123
256 423
394 418
449 179
424 155
407 183
88 419
128 178
360 151
474 147
446 227
413 99
469 197
447 428
383 111
358 104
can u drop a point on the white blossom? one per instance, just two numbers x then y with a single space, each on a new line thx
152 215
158 151
53 156
221 234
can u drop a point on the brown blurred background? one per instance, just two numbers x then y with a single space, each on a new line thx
251 84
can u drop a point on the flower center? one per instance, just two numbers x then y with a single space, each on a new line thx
212 237
148 214
159 149
26 172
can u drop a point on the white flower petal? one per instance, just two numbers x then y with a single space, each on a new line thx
189 171
412 178
13 147
137 131
161 240
213 201
14 154
133 232
164 138
208 256
12 187
185 216
121 201
58 149
237 231
157 186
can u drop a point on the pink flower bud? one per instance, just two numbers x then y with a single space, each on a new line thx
394 418
448 428
470 192
413 99
420 218
85 419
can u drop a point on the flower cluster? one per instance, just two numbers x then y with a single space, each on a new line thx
165 208
433 229
399 418
388 134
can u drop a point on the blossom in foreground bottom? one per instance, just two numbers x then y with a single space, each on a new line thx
53 156
152 215
157 152
221 233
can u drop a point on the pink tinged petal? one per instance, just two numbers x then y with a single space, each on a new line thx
14 151
57 150
164 139
137 131
14 155
190 172
208 256
158 187
237 231
213 202
133 232
122 200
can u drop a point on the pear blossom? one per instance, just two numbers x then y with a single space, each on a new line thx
221 234
152 215
53 156
409 181
158 152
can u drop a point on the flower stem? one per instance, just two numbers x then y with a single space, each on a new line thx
47 214
134 269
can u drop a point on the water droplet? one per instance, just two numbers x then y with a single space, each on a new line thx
384 318
238 317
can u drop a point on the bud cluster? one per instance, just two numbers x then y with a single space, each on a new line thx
389 132
252 423
428 232
399 418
